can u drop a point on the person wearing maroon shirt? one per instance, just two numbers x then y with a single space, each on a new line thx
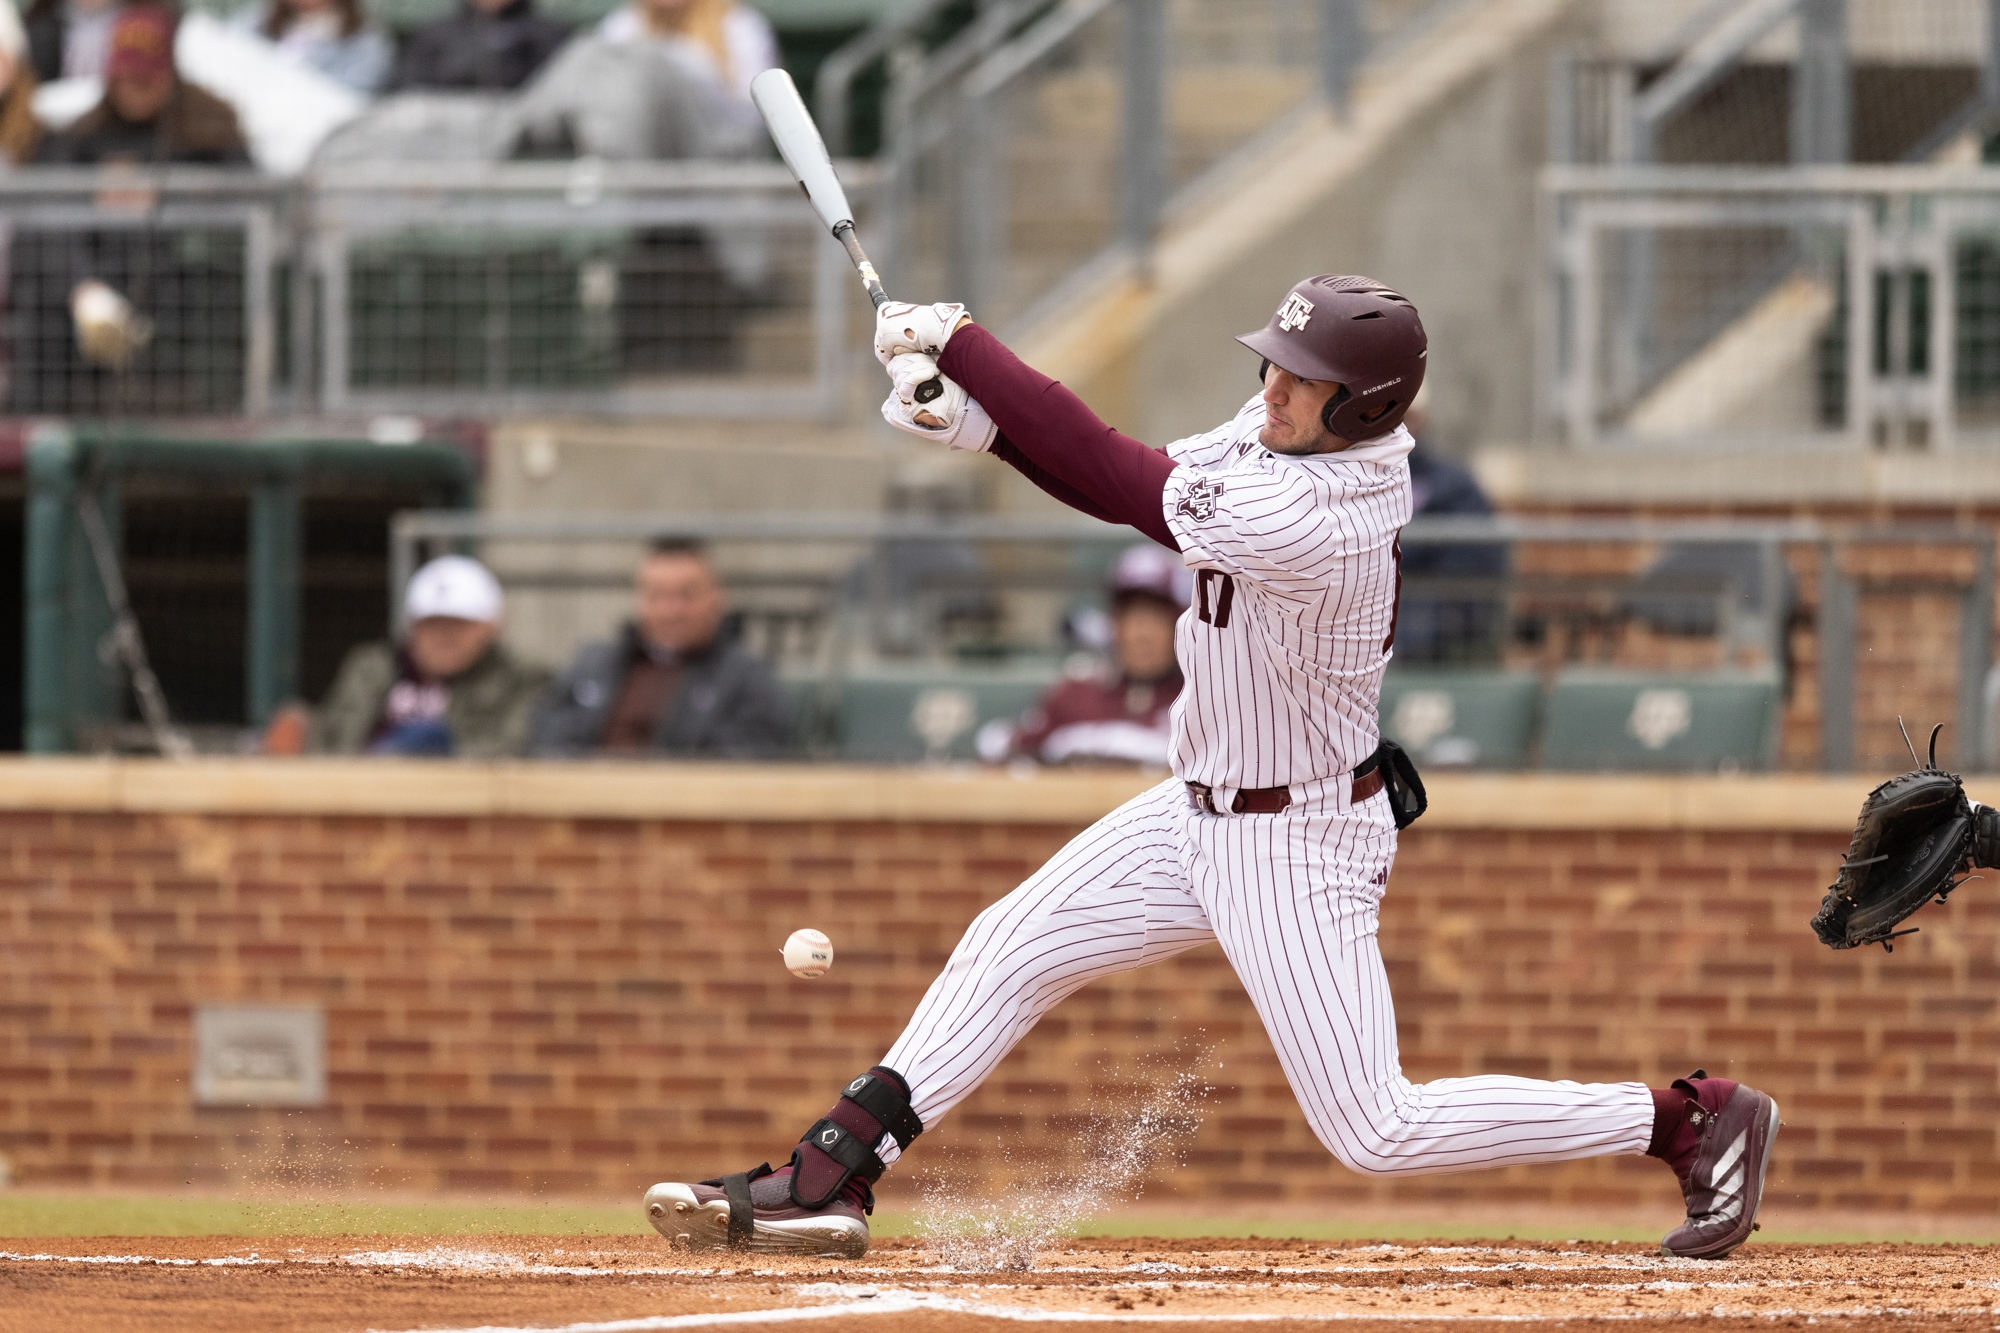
1117 713
674 681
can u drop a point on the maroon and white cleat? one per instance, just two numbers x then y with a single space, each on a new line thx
1734 1129
754 1211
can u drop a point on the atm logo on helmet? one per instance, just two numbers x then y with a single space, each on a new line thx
1295 313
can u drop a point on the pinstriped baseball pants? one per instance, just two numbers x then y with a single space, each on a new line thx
1292 899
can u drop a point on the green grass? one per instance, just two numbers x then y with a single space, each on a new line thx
38 1214
23 1214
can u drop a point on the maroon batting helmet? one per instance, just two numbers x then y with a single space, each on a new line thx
1357 333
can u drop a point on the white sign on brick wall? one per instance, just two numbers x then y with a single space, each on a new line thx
259 1055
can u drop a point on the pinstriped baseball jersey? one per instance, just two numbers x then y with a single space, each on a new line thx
1297 568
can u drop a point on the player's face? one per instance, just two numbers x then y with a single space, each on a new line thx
444 646
1143 637
140 97
680 603
1292 409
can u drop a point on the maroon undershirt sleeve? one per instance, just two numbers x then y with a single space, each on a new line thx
1050 428
1004 450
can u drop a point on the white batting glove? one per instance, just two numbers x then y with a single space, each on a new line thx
901 326
951 418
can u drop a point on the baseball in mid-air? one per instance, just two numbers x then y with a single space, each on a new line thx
808 954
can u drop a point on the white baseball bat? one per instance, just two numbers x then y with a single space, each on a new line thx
799 143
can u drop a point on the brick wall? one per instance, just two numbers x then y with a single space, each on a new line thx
569 1004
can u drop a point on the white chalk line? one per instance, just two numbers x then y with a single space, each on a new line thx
225 1262
908 1303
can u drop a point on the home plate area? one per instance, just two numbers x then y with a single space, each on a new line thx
601 1284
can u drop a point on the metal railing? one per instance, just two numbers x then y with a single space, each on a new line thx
1822 303
1047 141
195 250
825 595
1933 67
665 289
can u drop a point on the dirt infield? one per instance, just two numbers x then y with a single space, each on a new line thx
602 1284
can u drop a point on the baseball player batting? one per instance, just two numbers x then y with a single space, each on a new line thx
1275 834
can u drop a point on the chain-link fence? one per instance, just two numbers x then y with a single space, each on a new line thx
1859 303
685 288
140 293
1909 77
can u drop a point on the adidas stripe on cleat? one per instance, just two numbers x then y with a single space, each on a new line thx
1724 1186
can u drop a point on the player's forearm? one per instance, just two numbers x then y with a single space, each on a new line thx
1051 428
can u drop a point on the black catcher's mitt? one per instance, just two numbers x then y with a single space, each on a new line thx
1915 838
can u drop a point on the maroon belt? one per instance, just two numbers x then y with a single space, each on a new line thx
1276 800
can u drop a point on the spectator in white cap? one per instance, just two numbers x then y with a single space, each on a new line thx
448 687
1116 712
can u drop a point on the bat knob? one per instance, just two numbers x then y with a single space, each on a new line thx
930 390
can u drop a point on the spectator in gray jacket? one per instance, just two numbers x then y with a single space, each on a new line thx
672 682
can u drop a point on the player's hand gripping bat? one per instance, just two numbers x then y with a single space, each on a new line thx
799 143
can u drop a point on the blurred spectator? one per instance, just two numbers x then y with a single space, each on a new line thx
19 130
449 688
331 36
728 43
490 44
121 319
1119 712
149 113
1437 629
629 102
69 39
673 681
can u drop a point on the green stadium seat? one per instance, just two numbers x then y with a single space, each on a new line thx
1608 720
896 714
1462 719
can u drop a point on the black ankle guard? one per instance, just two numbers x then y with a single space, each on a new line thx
742 1214
879 1098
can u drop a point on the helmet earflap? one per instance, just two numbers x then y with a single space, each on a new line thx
1339 396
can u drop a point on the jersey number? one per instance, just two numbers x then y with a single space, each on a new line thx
1225 597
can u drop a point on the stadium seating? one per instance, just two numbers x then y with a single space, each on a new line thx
895 713
1608 719
1483 719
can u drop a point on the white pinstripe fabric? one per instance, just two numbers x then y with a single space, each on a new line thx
1292 898
1282 690
1285 691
